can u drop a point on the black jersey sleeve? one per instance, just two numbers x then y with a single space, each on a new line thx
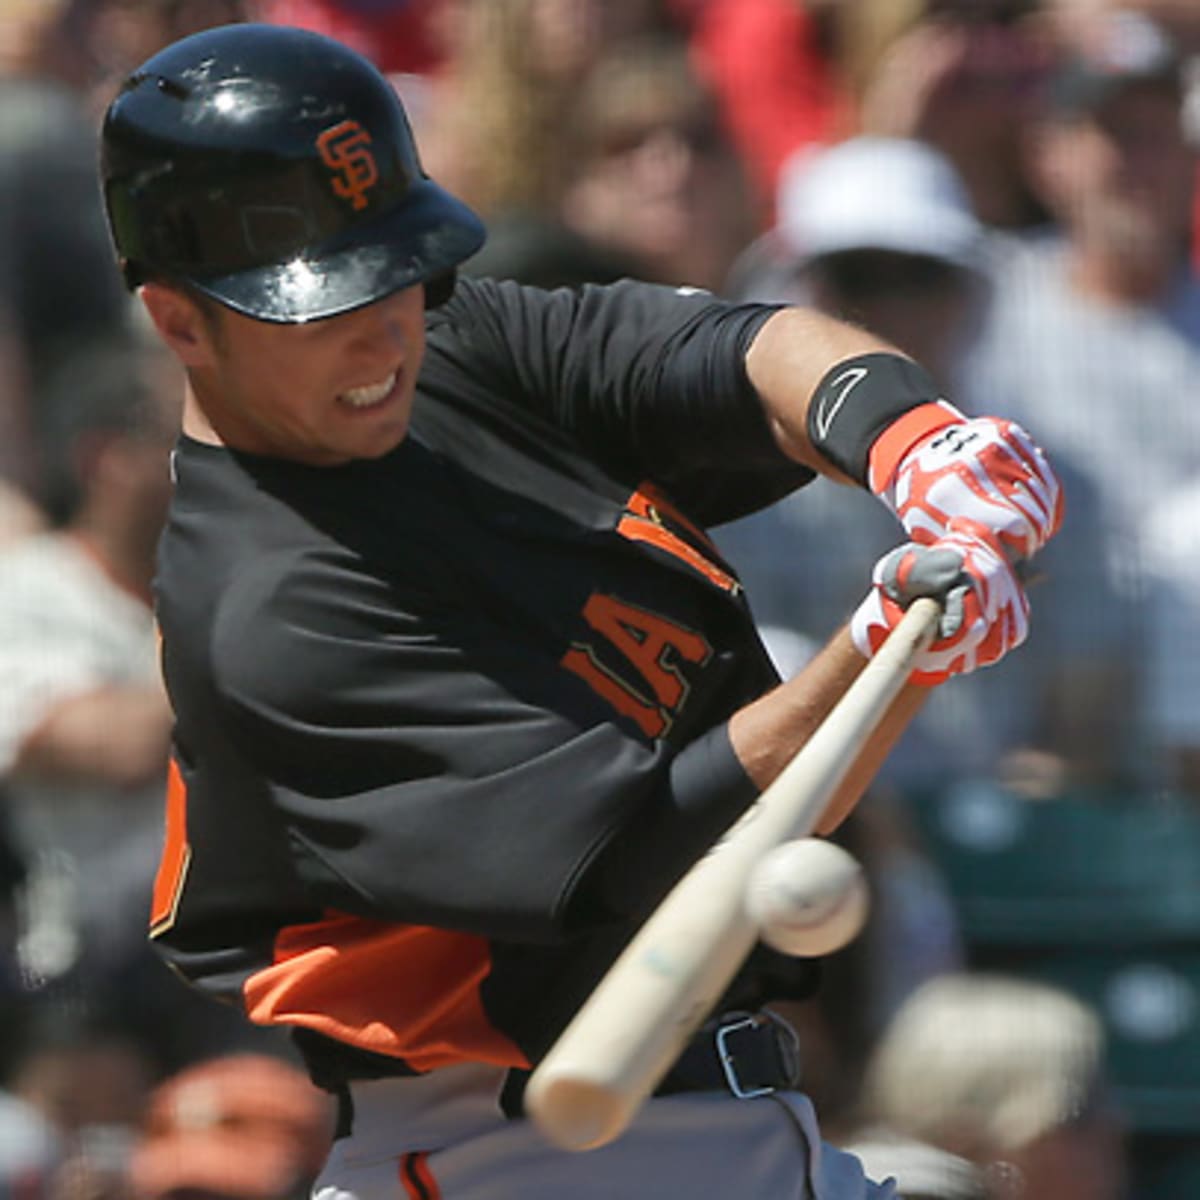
433 770
649 380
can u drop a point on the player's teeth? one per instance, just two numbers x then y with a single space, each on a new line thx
369 393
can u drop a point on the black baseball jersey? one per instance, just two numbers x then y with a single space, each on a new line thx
450 722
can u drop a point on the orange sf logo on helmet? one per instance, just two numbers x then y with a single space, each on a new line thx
345 148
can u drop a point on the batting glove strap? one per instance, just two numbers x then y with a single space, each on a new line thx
985 610
985 470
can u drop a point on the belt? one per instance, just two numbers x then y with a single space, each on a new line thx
745 1054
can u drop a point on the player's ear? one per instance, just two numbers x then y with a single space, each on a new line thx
181 323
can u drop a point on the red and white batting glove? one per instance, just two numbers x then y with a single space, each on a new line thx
985 611
985 470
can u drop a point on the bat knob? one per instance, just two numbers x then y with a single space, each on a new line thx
575 1113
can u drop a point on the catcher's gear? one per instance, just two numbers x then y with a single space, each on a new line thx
220 169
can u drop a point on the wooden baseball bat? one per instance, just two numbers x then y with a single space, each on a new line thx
631 1029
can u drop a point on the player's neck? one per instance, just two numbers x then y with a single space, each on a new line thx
195 422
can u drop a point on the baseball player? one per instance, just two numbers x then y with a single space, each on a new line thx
461 684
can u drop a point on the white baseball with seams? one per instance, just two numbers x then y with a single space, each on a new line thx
808 897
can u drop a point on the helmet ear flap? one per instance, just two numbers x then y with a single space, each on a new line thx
440 288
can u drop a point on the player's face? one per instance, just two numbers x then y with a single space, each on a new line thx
323 393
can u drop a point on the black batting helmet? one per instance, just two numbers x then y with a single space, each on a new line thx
274 170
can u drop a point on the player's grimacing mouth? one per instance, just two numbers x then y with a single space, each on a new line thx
368 395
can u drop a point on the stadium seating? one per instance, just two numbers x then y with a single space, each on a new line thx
1102 897
1070 869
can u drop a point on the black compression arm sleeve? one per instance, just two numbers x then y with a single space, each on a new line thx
708 791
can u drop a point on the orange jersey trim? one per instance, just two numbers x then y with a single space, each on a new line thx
405 991
176 856
649 502
637 529
643 522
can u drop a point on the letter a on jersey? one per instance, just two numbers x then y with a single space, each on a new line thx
653 646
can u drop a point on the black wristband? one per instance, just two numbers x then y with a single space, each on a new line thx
858 399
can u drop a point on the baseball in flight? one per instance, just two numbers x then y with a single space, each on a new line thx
808 897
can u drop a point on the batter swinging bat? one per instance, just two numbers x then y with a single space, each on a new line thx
634 1025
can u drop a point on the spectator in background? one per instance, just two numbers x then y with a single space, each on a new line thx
107 38
800 74
19 513
774 66
84 721
398 36
30 1151
492 123
1172 600
1076 19
911 268
653 180
239 1127
56 282
1007 1074
965 77
1094 337
90 1087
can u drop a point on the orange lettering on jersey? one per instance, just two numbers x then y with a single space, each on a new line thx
650 642
652 645
581 660
344 148
176 856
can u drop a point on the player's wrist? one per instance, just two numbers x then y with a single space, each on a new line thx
858 404
904 435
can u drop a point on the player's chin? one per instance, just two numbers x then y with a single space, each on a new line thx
383 443
377 435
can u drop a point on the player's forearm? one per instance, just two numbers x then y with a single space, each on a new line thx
117 736
788 358
767 733
707 791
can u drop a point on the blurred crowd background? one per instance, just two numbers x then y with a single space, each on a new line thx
1008 189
